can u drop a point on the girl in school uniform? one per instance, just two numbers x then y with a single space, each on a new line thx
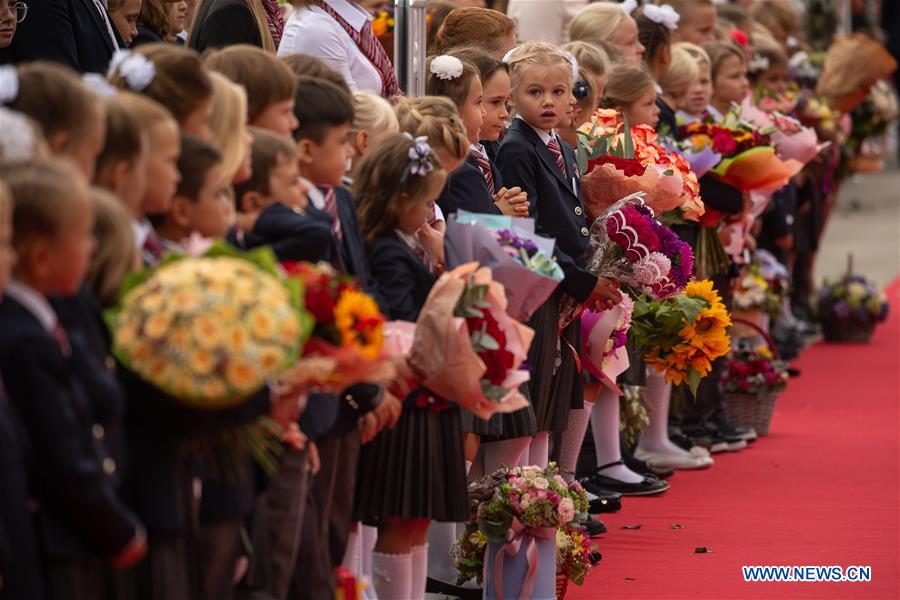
532 155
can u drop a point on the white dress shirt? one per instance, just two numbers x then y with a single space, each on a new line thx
312 31
34 303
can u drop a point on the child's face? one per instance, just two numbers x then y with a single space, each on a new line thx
496 114
472 111
417 214
626 38
125 20
698 26
542 96
285 184
197 123
731 83
699 94
774 79
278 118
70 251
162 169
176 13
212 213
7 252
326 163
644 110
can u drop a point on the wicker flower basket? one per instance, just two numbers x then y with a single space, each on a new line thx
562 584
744 321
846 330
751 410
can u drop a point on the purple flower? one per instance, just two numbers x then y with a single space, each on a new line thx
841 310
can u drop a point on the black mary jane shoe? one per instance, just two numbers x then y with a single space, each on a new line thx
436 586
594 526
649 486
606 501
642 468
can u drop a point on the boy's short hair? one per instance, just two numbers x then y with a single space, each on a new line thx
196 159
319 106
473 25
42 193
266 79
304 65
267 147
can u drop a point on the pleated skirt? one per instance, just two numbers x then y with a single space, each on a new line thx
504 426
416 470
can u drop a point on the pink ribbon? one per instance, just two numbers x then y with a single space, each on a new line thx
516 535
596 327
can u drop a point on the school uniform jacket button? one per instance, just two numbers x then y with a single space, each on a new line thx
98 432
584 231
578 211
109 466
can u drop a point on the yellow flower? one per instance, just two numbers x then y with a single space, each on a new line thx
261 324
186 301
235 339
290 328
139 353
206 331
764 352
182 385
359 322
179 339
240 375
126 333
202 362
157 325
244 291
226 313
158 370
708 332
270 358
703 289
153 301
212 389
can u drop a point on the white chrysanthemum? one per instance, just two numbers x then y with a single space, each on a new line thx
446 67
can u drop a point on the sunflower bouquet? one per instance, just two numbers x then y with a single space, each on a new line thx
211 330
682 335
347 342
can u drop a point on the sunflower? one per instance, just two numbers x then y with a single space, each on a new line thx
708 331
358 320
703 289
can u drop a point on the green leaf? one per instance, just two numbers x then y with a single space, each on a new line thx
629 143
581 158
689 307
693 381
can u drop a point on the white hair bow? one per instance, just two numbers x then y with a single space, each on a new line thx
663 15
17 144
138 70
9 84
628 6
98 84
446 67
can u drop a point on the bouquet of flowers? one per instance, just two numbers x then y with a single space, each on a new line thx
791 139
754 292
617 160
849 308
603 335
465 346
574 553
866 143
347 342
701 159
785 102
683 334
852 65
757 372
210 330
518 258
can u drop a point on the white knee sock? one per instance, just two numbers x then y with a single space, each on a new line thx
656 438
440 537
420 567
539 450
392 575
351 554
605 427
572 440
506 452
368 537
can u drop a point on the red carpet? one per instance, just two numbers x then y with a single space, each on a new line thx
821 489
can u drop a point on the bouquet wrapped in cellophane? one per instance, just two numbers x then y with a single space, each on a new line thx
518 258
791 139
465 347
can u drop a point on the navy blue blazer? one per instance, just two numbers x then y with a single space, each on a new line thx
556 203
467 189
353 250
70 32
402 279
292 235
80 513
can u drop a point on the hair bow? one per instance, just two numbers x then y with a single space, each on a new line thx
663 15
98 84
574 63
17 144
446 67
420 158
9 84
138 70
758 63
628 6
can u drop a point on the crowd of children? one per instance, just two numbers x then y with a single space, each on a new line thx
103 493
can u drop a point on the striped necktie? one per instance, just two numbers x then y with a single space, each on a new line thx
105 17
332 210
485 166
556 151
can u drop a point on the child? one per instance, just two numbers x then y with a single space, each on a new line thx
174 77
122 164
632 91
69 115
607 23
124 15
728 72
201 203
393 204
18 546
679 81
532 154
769 71
228 128
304 65
692 107
594 61
162 175
697 23
655 33
269 83
373 120
81 517
489 30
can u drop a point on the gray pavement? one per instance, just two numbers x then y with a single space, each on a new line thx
866 222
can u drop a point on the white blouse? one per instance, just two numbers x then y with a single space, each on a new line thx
312 31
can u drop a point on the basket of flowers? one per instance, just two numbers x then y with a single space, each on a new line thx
848 309
752 380
574 557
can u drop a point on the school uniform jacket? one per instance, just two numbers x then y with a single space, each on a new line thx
556 204
78 514
292 235
403 280
466 189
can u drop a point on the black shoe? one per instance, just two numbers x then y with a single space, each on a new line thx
727 429
642 468
681 440
594 526
605 502
706 436
436 586
649 486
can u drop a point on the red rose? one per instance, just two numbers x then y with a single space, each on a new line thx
500 361
321 305
630 166
723 143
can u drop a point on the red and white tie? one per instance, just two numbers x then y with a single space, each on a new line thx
59 334
105 18
554 148
485 166
332 210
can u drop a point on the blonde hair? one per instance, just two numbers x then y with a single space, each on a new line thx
535 54
373 114
596 22
683 72
5 200
591 57
436 118
116 255
696 52
381 191
626 85
228 122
